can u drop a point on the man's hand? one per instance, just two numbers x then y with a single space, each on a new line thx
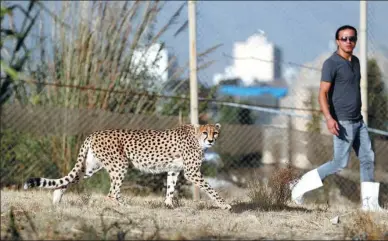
332 126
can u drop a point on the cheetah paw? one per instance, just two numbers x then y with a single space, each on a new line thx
225 207
169 203
114 201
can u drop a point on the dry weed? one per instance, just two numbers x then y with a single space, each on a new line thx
12 231
363 227
273 194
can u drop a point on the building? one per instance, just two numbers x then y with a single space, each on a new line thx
255 60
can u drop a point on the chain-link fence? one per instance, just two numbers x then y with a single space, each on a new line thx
270 63
99 65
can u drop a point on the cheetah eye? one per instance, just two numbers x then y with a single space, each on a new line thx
205 133
215 133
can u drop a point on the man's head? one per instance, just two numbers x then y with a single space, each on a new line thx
346 38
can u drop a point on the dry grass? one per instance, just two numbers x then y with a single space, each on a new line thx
364 227
30 215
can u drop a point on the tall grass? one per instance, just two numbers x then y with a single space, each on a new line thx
94 45
104 45
91 54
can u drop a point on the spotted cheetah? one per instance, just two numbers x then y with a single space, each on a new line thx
152 151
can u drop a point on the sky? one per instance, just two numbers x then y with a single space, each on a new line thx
303 30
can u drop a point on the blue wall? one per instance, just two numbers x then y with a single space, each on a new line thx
252 91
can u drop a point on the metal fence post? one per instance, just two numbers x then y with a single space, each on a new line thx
193 74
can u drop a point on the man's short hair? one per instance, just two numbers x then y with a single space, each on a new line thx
343 28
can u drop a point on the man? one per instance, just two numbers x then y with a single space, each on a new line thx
340 102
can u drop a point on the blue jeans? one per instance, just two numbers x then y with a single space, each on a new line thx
351 134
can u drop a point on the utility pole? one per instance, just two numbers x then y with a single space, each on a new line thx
364 59
193 74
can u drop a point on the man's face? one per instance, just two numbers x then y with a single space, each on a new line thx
347 40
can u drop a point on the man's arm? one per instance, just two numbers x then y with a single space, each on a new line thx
323 99
328 76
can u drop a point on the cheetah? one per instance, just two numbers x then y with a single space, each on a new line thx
153 151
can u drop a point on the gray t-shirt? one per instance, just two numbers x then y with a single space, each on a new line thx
344 95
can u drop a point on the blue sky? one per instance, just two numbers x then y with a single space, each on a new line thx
303 30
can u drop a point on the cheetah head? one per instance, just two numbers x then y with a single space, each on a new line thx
208 134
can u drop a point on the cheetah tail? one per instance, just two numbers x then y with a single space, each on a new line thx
58 183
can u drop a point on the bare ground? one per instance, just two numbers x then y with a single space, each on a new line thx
89 216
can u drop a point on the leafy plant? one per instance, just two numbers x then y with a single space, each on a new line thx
14 51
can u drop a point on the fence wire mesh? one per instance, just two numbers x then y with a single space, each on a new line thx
110 65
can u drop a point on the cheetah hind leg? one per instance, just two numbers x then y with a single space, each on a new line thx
58 192
172 178
114 192
116 180
93 165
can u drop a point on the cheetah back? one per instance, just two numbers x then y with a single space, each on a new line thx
151 151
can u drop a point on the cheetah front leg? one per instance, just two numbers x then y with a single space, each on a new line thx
172 178
195 176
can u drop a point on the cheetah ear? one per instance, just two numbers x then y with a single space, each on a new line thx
218 126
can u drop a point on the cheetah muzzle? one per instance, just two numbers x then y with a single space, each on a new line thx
152 151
